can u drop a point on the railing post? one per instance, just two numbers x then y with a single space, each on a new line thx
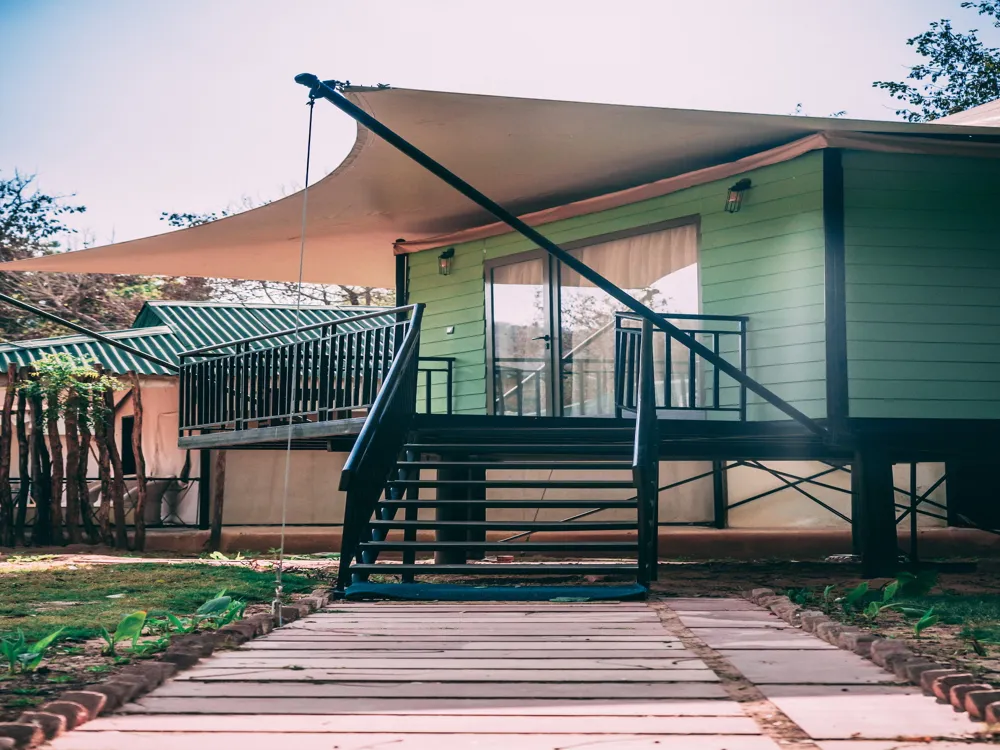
449 385
242 394
645 459
743 369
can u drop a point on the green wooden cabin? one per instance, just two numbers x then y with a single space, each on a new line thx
725 290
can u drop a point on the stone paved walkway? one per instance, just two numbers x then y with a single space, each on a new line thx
481 676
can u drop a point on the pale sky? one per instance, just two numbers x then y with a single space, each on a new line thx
139 107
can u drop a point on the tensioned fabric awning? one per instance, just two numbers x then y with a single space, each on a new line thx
530 155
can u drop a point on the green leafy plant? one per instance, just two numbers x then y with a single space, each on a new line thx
129 629
146 648
800 596
213 614
219 611
222 556
828 593
23 656
853 598
926 620
890 591
916 584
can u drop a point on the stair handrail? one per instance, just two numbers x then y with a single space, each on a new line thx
382 436
645 457
406 356
330 90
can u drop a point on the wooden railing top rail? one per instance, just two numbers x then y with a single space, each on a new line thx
300 329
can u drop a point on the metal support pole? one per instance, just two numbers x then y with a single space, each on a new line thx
204 489
720 494
914 502
871 475
87 332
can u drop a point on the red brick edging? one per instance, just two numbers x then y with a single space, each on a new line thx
76 707
961 689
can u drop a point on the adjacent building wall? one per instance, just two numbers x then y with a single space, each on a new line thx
922 243
765 261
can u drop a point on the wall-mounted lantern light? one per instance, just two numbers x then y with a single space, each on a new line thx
734 200
444 261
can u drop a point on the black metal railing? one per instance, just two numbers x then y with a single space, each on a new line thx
315 373
683 380
379 443
430 371
520 387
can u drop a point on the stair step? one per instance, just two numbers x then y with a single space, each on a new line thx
552 449
493 568
569 484
479 503
575 547
510 525
568 465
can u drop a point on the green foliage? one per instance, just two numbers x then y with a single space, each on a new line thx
927 619
68 382
855 596
828 593
129 629
222 556
800 596
23 656
918 584
29 558
889 592
147 648
958 71
34 224
153 587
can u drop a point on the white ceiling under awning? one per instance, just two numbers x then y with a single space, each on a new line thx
529 155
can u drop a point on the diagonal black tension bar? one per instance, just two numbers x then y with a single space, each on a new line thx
328 90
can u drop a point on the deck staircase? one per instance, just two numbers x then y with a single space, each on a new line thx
452 507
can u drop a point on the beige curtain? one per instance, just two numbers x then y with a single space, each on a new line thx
638 262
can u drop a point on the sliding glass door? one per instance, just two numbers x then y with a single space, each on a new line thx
552 333
518 302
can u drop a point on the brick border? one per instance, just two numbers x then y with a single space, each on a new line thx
948 685
76 707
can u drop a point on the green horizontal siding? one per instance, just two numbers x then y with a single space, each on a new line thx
923 286
765 261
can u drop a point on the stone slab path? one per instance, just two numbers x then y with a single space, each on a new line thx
684 674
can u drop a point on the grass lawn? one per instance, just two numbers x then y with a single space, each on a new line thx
84 599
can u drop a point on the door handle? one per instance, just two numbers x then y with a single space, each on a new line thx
546 338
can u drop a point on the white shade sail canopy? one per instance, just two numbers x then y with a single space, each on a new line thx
529 155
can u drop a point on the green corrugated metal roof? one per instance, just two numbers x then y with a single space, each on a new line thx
165 329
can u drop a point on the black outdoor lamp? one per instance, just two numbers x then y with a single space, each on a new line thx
734 200
444 261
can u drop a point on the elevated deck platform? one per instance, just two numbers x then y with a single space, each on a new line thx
680 439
